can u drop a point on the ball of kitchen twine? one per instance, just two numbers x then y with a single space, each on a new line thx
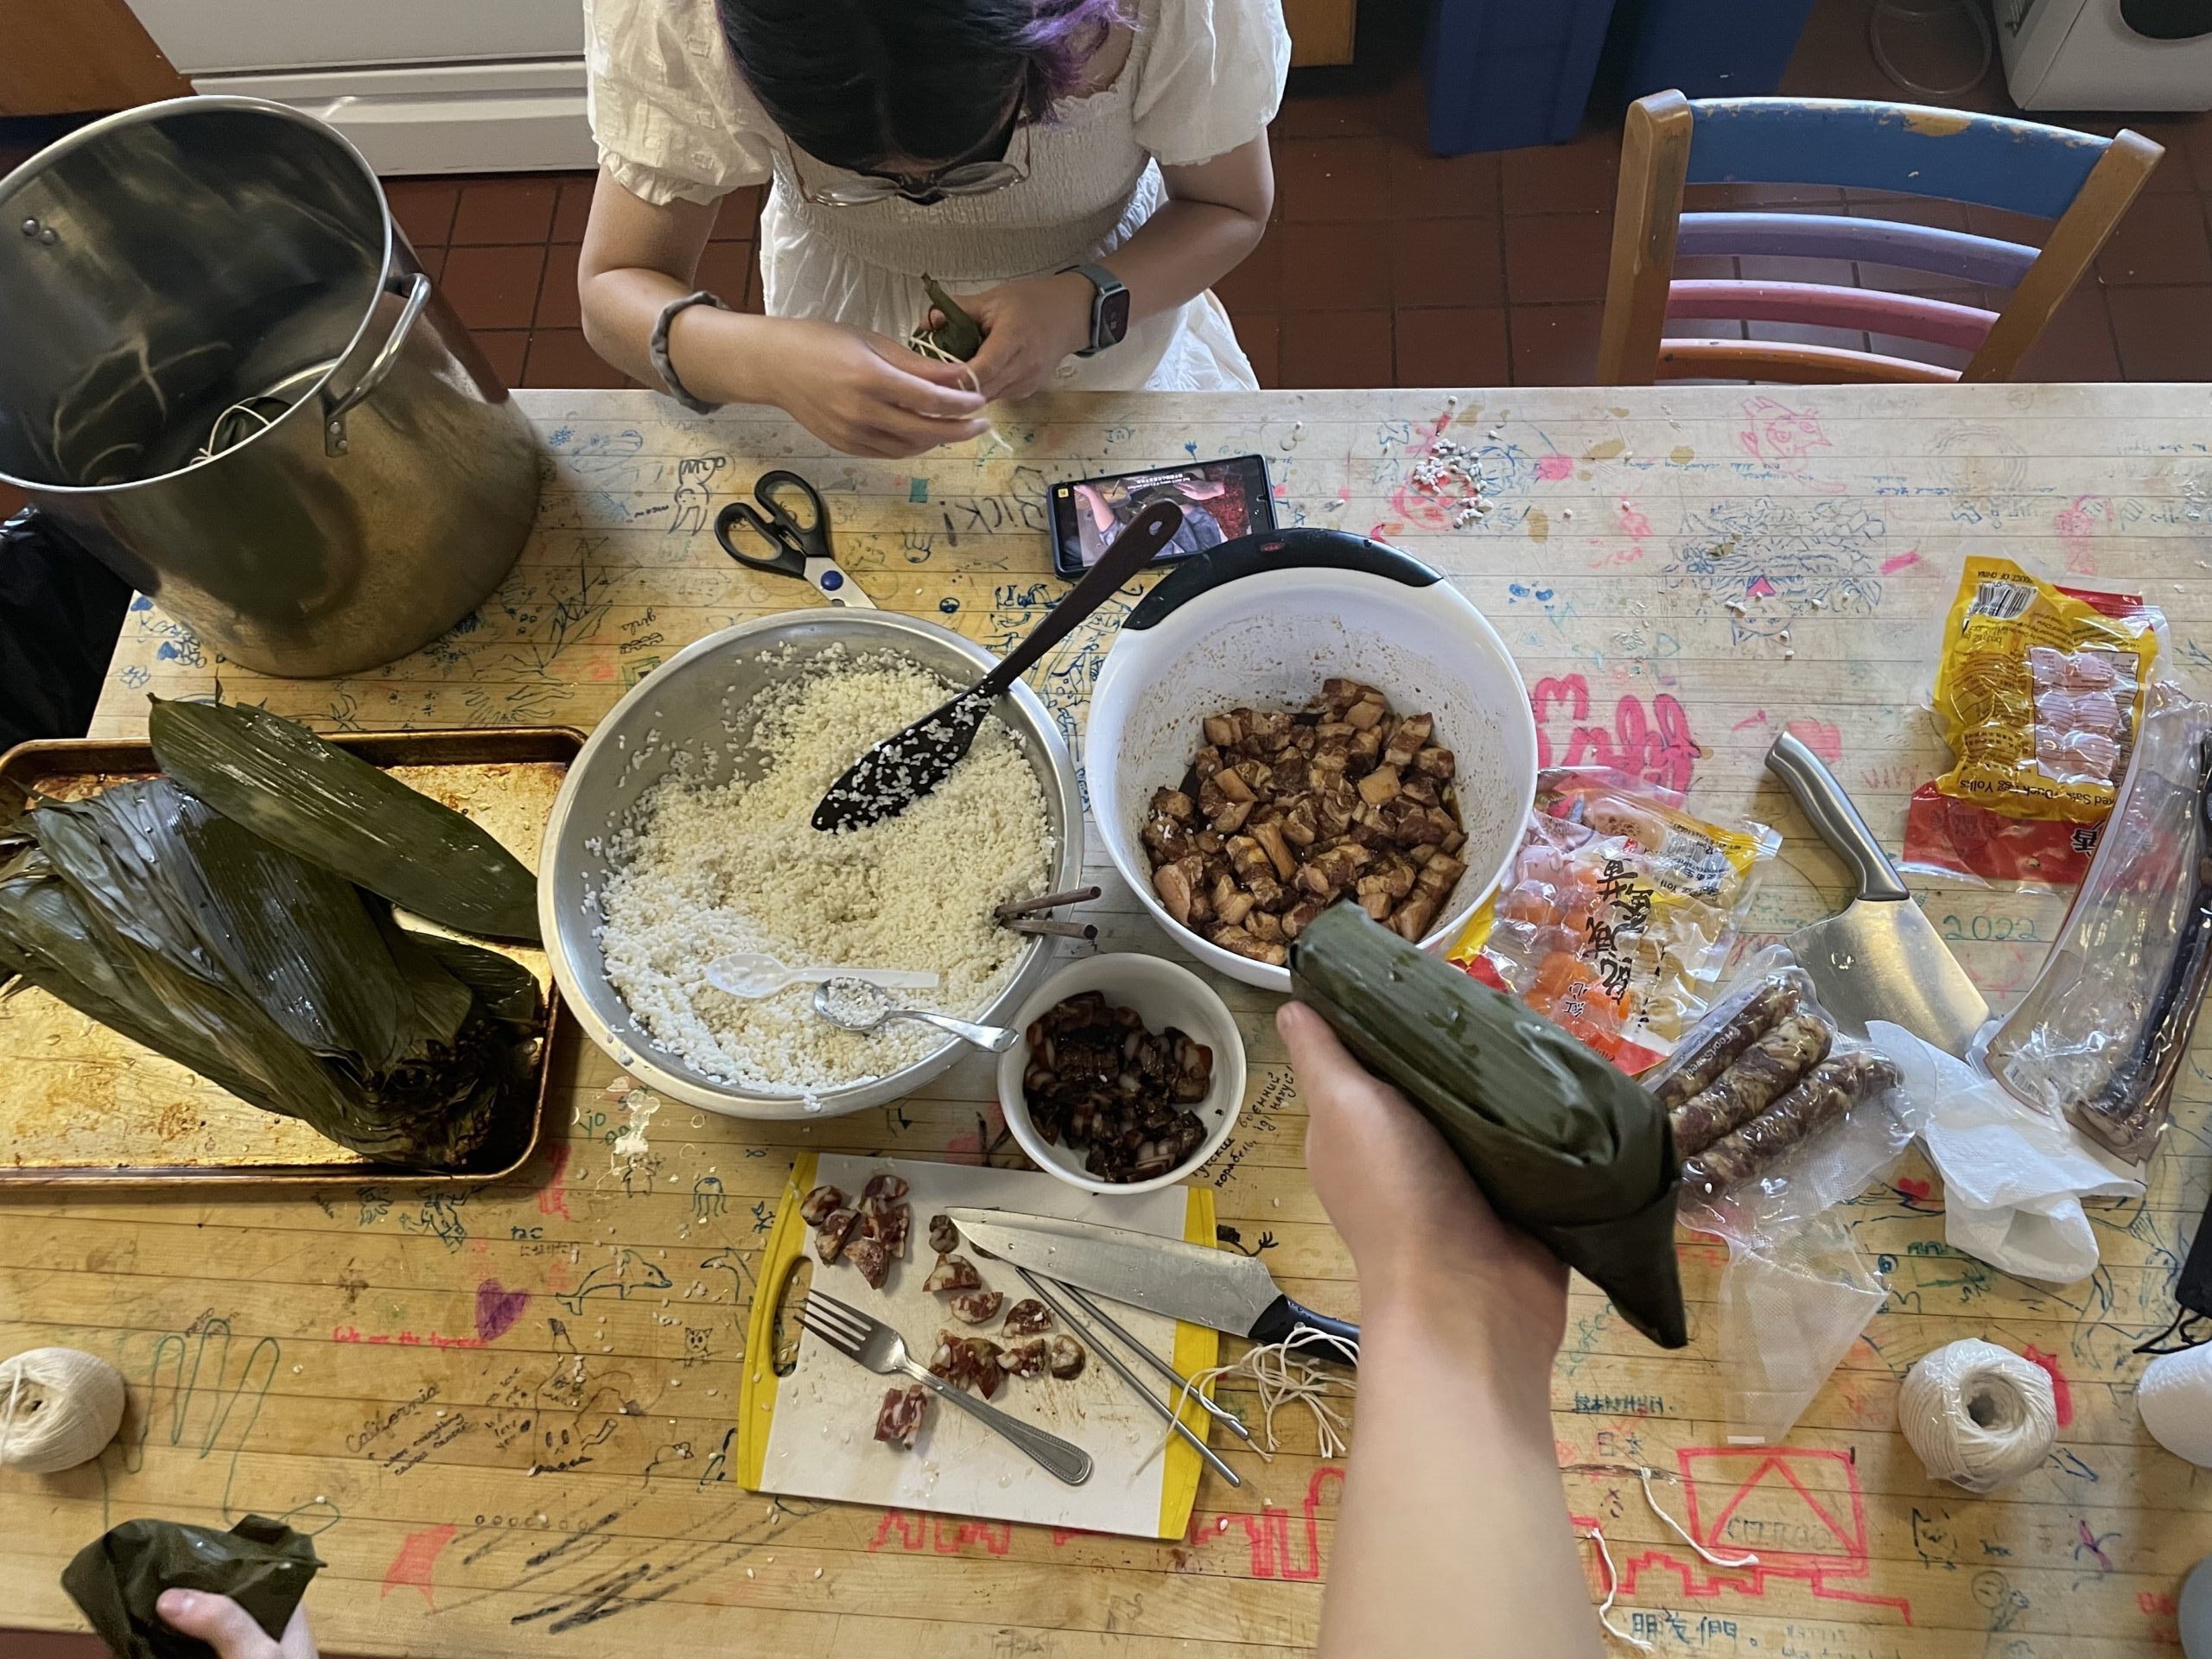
57 1408
2174 1397
1978 1415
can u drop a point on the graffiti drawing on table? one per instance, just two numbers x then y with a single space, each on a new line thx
1769 563
1784 442
596 478
695 493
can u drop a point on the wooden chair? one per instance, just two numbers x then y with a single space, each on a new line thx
2082 182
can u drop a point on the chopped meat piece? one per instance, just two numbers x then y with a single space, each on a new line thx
1406 738
1236 939
1065 1357
953 1273
887 1188
1265 926
1362 715
900 1417
1411 919
1230 818
1300 917
1173 883
1434 761
975 1306
1206 762
1173 803
1230 782
837 1227
873 1260
1024 1359
1235 908
814 1208
1269 836
945 1237
1248 859
967 1362
887 1225
1028 1317
1267 893
1221 730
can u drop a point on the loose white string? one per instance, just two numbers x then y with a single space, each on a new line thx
1281 1379
1596 1536
1643 1476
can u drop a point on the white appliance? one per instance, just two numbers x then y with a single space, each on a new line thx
419 85
2107 54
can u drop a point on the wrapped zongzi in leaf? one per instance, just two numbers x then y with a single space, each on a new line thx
262 1565
959 335
1561 1143
311 798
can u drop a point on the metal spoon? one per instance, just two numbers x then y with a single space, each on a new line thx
755 973
855 1005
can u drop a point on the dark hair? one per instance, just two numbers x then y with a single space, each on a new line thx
856 82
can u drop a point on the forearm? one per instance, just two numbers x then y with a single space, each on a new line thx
722 356
1454 1538
1183 249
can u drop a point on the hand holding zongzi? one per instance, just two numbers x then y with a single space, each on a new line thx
229 1630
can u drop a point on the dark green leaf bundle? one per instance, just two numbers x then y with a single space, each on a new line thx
267 971
1561 1143
262 1565
959 335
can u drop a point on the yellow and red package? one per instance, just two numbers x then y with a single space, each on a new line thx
1618 912
2040 690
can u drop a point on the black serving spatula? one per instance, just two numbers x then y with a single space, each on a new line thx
908 765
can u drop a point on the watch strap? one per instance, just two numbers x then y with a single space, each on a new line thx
1106 284
670 382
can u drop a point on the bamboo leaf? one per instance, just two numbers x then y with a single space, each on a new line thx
315 801
503 989
959 335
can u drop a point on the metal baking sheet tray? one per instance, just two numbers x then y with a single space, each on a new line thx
81 1105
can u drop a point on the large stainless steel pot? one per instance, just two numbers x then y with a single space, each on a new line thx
222 373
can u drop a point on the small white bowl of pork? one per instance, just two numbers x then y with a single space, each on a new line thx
1302 717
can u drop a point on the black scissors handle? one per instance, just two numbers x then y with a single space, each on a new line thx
789 519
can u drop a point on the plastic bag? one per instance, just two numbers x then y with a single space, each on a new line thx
1617 913
2101 1034
2040 690
2013 1176
115 1580
1797 1290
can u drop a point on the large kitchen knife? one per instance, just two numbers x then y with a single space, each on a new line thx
1225 1289
1882 958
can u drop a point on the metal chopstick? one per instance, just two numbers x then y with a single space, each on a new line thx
1046 925
1227 1419
1136 1384
1014 907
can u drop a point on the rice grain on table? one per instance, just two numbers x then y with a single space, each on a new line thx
703 868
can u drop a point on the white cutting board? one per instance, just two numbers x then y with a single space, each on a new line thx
812 1433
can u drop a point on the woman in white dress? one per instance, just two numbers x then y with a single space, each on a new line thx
1077 171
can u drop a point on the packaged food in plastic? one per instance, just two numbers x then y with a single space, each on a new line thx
2040 690
1779 1116
1618 911
2102 1033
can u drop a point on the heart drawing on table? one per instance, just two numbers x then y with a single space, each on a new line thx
497 1309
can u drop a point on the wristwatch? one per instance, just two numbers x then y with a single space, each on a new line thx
1110 308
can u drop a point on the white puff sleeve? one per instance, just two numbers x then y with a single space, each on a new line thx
1212 78
672 118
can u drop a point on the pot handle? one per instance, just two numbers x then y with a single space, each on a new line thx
1273 549
334 410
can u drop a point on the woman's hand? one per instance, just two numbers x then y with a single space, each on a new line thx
1030 327
864 393
229 1630
1423 1237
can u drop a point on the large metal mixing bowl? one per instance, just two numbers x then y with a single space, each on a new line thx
681 707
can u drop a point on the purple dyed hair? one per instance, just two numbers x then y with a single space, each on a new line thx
1058 44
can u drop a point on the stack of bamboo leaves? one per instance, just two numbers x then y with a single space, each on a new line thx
236 913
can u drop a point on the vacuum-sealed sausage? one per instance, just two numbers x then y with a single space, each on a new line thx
1760 1075
1820 1099
1708 1057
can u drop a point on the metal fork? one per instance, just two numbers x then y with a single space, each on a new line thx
875 1346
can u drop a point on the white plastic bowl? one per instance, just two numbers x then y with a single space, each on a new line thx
1259 623
1163 995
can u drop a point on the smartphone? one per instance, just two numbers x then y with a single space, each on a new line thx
1221 500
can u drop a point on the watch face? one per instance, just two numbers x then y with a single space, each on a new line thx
1113 317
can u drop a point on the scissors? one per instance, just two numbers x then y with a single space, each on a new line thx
793 527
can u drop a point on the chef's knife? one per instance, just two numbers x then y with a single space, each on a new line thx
1225 1289
1882 958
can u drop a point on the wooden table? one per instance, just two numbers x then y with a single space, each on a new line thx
1679 570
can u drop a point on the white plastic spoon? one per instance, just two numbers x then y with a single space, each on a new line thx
755 973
